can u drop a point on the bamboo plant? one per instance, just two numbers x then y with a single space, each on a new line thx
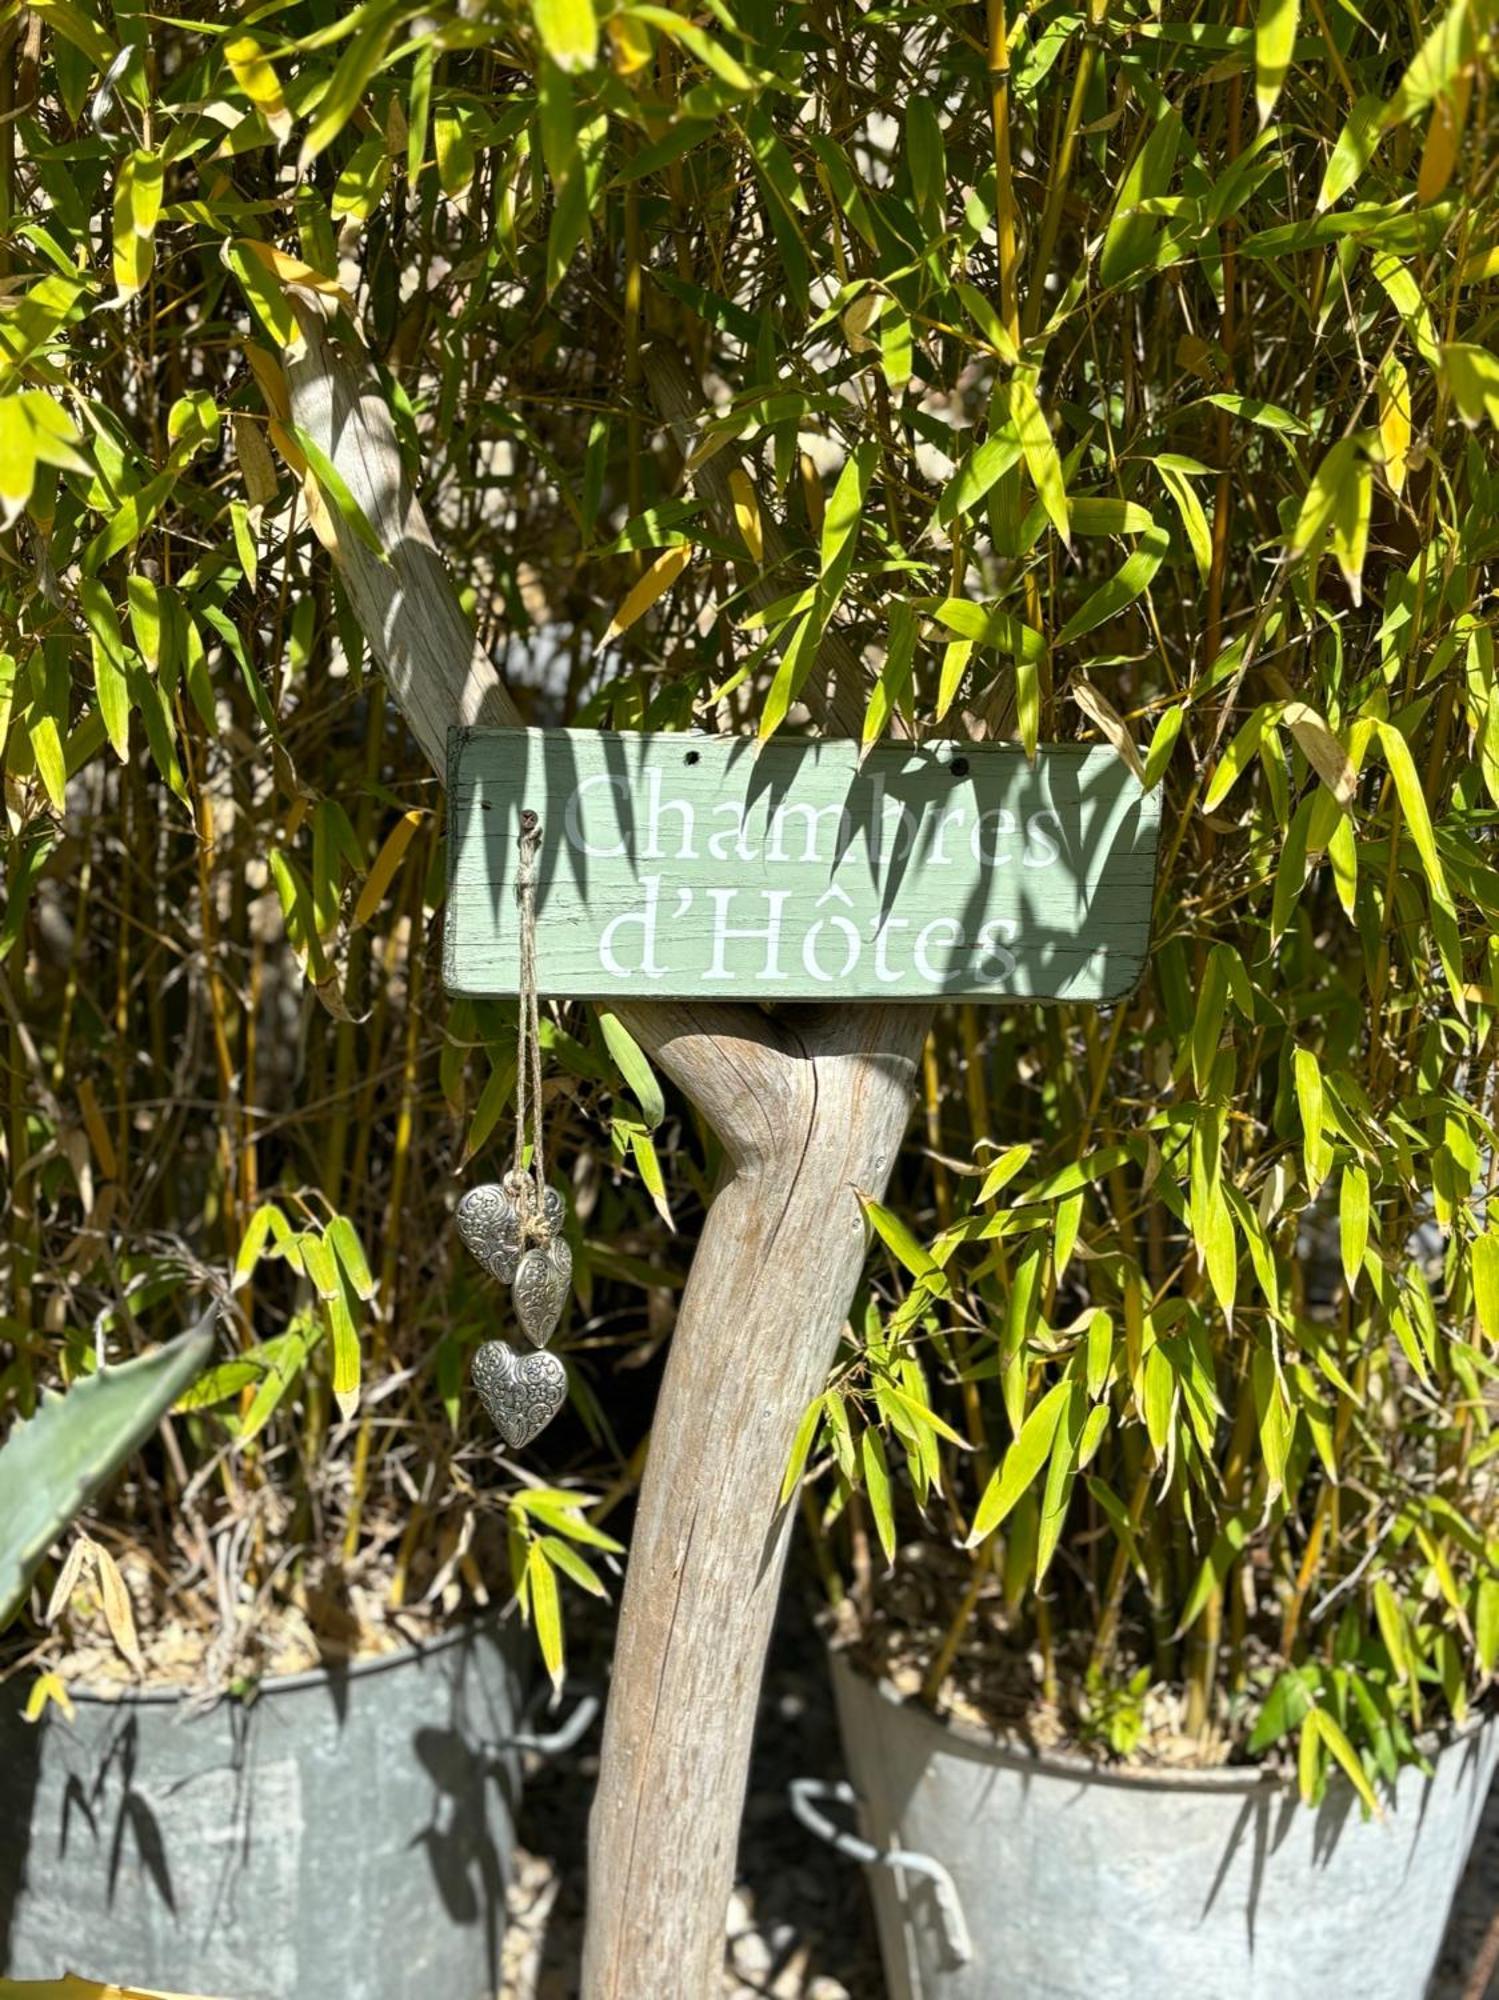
1104 371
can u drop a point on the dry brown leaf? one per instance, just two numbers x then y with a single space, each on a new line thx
119 1615
67 1578
1099 711
1322 750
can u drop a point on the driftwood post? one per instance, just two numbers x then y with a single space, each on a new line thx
809 1106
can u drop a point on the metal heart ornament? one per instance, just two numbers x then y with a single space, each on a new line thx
542 1281
521 1392
490 1225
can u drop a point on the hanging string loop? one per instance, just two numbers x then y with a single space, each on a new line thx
528 1190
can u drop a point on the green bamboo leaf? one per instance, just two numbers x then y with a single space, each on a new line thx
344 1241
1355 147
801 1449
1447 48
1040 451
877 1487
1022 1462
1128 582
1210 1579
891 688
1061 1474
284 1360
1270 416
1344 1753
1194 519
374 24
1484 1253
711 54
562 1555
1274 39
546 1610
1353 1221
1162 743
987 625
1412 797
901 1244
18 456
927 159
569 32
336 492
1472 374
1130 239
630 1060
1237 758
979 472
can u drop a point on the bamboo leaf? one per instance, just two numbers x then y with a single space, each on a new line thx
569 32
1129 581
1040 451
877 1487
1022 1463
630 1060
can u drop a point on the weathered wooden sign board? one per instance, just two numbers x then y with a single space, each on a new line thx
682 866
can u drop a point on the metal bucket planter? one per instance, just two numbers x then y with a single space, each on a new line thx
1045 1876
348 1833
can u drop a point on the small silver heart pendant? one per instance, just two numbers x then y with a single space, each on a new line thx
522 1392
489 1223
542 1281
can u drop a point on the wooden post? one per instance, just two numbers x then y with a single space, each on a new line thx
808 1106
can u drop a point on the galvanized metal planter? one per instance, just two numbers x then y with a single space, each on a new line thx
1074 1883
348 1833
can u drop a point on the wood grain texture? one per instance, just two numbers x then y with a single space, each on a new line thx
817 1103
688 866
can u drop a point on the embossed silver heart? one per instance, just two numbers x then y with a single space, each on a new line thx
522 1392
542 1281
490 1225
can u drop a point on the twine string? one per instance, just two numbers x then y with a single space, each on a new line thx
531 1187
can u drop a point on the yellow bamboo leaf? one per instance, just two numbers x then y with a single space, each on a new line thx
629 43
292 271
137 204
72 1987
270 381
658 579
17 458
387 861
256 76
1444 137
1394 420
747 512
46 1687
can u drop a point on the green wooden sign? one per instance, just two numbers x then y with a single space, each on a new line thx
681 866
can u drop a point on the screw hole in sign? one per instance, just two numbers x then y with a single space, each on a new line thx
959 767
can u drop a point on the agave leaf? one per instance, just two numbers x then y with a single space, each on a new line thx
51 1466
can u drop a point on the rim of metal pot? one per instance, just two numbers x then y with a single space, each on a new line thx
306 1677
1073 1764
